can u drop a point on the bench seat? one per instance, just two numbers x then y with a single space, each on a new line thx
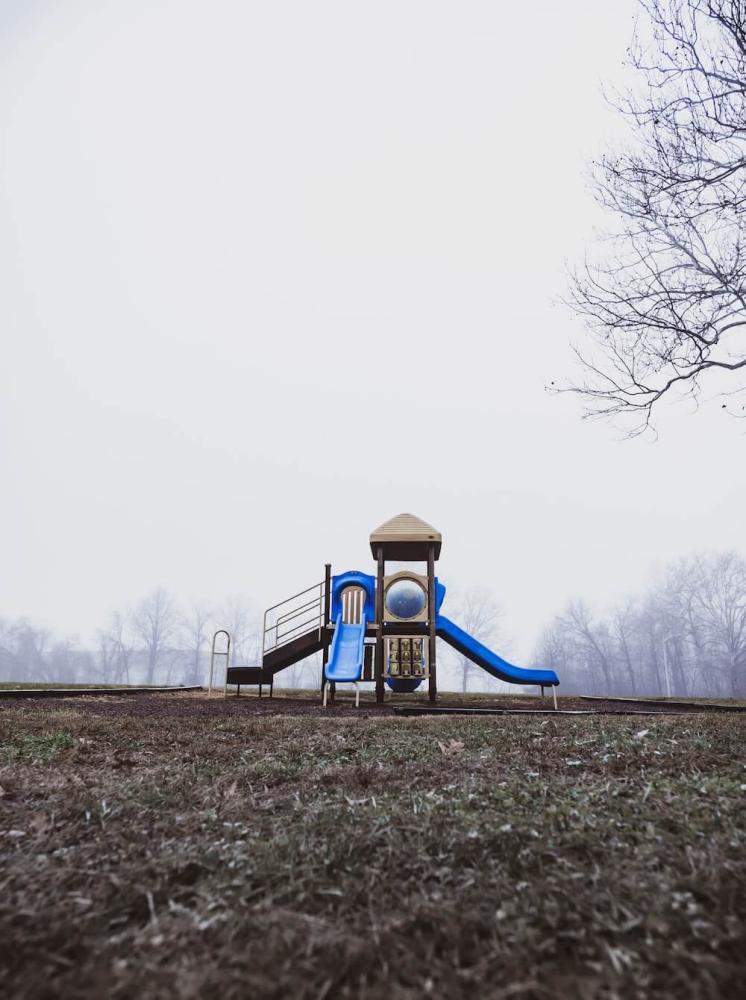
250 675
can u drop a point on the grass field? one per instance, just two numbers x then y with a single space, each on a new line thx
196 848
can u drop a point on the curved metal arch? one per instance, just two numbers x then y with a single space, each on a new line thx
219 652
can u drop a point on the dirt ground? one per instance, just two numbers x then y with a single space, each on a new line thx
198 705
180 846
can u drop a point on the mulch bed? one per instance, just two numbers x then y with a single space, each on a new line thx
198 705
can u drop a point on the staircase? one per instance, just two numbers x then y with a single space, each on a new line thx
293 629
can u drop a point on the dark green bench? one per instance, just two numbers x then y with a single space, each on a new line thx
250 675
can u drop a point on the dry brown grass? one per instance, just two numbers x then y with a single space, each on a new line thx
217 852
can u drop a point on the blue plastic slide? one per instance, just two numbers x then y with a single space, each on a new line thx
468 646
346 654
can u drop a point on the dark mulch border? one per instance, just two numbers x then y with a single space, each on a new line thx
80 692
608 706
695 706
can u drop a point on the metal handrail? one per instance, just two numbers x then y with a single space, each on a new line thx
282 638
218 652
297 611
300 593
281 635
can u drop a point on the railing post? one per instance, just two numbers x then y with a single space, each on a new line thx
379 656
214 652
264 636
431 645
327 592
327 611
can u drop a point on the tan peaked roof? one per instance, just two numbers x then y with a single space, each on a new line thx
406 534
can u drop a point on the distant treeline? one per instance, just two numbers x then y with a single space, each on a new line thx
154 643
686 635
157 642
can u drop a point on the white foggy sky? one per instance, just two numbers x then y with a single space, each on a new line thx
241 243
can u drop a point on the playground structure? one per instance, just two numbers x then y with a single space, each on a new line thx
379 628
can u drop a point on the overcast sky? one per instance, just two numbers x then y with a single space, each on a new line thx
275 272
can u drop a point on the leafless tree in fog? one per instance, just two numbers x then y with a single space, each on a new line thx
480 615
715 595
32 648
592 642
10 667
115 651
196 635
623 631
155 622
238 619
665 301
686 635
305 674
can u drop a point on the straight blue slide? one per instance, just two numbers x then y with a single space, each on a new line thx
473 650
346 653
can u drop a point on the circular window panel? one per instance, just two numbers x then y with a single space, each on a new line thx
405 599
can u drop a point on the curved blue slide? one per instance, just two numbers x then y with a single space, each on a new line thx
473 650
346 653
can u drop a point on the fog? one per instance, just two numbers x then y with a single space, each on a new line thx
273 273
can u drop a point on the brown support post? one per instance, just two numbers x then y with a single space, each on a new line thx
379 619
327 616
432 683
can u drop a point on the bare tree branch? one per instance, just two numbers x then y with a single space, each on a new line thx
664 302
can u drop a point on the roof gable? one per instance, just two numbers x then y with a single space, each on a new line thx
406 536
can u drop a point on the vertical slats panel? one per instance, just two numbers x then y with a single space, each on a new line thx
353 603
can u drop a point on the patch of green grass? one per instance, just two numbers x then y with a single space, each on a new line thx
374 858
32 746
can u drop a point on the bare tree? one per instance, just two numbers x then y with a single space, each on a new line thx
31 648
665 301
237 618
30 653
196 633
718 606
304 674
594 641
480 615
624 631
9 666
115 651
688 633
155 622
67 663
